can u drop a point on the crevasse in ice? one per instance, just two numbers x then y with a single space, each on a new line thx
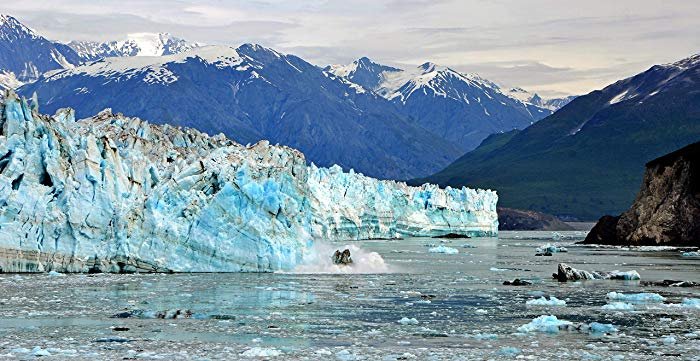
116 194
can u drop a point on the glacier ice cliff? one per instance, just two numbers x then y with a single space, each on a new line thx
117 194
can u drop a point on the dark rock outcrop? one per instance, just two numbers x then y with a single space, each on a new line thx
666 210
510 219
342 258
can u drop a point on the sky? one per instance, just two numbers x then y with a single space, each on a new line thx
553 47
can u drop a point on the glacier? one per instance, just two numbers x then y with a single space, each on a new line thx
116 194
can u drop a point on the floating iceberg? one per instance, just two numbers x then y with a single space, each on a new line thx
551 248
548 324
692 254
116 194
261 352
636 297
691 303
597 327
542 301
443 249
408 321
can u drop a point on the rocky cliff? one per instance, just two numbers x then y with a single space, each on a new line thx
667 208
117 194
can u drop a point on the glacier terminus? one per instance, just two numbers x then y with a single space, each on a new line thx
117 194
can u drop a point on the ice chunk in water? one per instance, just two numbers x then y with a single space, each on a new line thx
542 301
443 249
548 324
261 352
408 321
636 297
596 327
691 303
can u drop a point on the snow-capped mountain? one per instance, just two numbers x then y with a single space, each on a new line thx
526 97
463 108
368 74
610 133
251 93
117 194
27 55
137 44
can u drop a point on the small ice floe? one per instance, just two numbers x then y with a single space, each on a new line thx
467 245
345 355
443 249
547 324
408 321
551 324
690 254
568 273
55 274
549 249
38 352
600 328
542 301
261 352
668 340
509 351
691 303
636 297
618 306
481 311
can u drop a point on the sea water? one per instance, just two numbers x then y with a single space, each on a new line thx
403 303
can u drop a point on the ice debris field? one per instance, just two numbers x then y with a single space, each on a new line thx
431 306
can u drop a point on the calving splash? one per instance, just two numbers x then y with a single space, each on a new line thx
117 194
320 260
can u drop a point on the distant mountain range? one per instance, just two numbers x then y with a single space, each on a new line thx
587 159
25 55
460 107
251 93
380 120
138 44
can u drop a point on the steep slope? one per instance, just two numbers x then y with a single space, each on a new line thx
461 108
137 44
587 158
252 93
27 54
368 74
116 194
667 209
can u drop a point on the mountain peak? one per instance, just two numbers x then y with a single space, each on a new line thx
427 66
10 25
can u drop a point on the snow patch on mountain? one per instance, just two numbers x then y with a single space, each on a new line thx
136 44
154 69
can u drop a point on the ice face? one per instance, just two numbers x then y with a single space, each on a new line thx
116 194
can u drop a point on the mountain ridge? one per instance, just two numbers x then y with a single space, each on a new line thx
610 133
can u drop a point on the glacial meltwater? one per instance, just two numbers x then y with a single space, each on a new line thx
434 300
